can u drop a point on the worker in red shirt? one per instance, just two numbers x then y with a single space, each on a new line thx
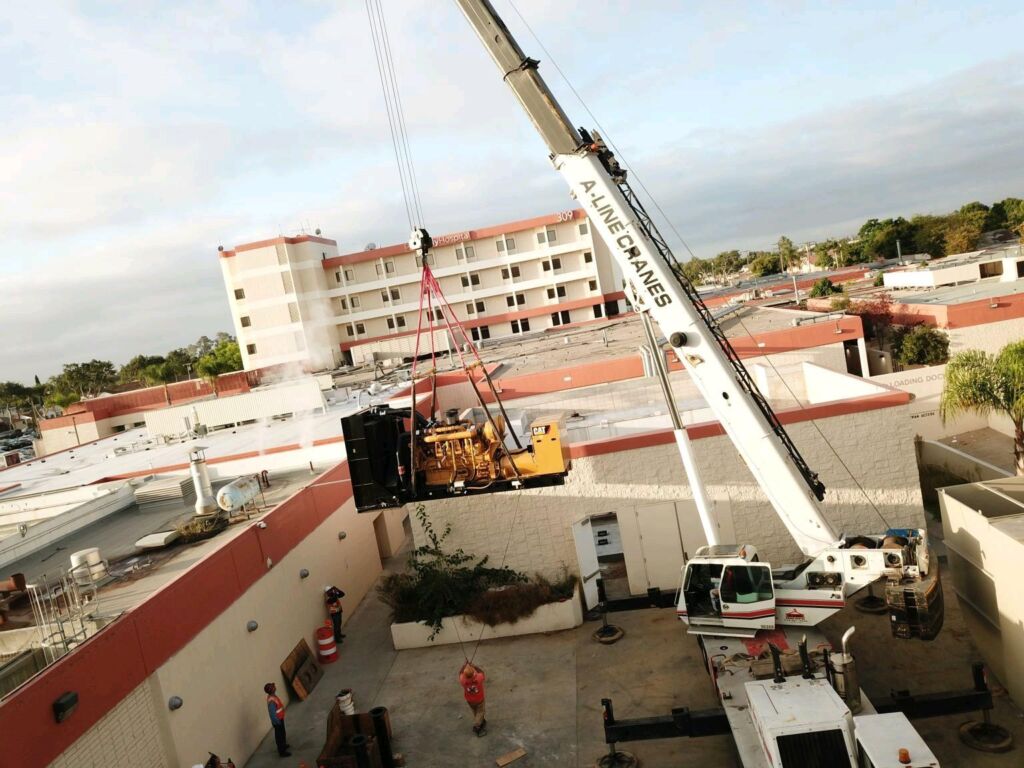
275 708
472 679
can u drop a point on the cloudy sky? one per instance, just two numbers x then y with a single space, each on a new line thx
136 137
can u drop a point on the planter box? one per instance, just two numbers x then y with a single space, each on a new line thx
552 617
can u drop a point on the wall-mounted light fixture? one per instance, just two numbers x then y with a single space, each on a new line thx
993 305
64 705
251 625
174 703
304 573
342 535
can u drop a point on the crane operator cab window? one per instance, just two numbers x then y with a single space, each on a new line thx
701 580
740 596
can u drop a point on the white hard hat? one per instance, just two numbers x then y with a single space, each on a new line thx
327 589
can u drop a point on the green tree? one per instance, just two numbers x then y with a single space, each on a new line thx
964 230
134 369
765 264
84 379
824 287
977 382
787 253
929 235
224 358
922 345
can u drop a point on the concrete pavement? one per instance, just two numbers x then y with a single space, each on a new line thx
544 692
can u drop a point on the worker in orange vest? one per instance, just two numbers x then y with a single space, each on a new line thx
275 708
472 679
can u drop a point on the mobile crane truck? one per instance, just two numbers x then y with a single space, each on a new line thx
806 714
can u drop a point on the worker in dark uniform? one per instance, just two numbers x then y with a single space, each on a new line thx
332 598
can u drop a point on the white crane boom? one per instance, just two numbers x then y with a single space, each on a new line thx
599 185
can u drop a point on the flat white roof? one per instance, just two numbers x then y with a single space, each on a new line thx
91 462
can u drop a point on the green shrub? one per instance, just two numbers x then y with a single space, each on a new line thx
438 584
823 288
921 345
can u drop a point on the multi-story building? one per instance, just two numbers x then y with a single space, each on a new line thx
294 300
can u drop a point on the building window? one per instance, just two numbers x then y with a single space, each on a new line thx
286 283
481 332
598 311
360 329
592 285
337 276
344 302
355 302
520 326
560 318
469 308
246 321
473 278
553 264
558 291
391 323
250 348
584 227
507 272
293 312
505 244
350 274
282 256
400 320
429 260
394 322
239 293
350 330
588 257
516 299
547 236
465 253
385 268
438 316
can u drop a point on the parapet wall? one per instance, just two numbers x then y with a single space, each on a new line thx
635 474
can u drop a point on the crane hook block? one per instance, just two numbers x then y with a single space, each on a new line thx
420 241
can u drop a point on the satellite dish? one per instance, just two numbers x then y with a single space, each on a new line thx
370 247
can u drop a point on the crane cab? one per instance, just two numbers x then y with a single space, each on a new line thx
726 591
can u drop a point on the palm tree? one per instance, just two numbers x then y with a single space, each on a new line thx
981 383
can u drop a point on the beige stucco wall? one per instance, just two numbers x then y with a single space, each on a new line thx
877 446
990 337
985 557
220 673
225 709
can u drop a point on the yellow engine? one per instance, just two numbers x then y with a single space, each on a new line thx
471 456
391 463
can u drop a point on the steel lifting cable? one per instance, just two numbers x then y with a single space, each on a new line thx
622 161
430 289
395 113
814 423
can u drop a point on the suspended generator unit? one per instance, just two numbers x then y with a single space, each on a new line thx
392 465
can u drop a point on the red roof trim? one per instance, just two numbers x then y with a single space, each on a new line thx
471 235
277 241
